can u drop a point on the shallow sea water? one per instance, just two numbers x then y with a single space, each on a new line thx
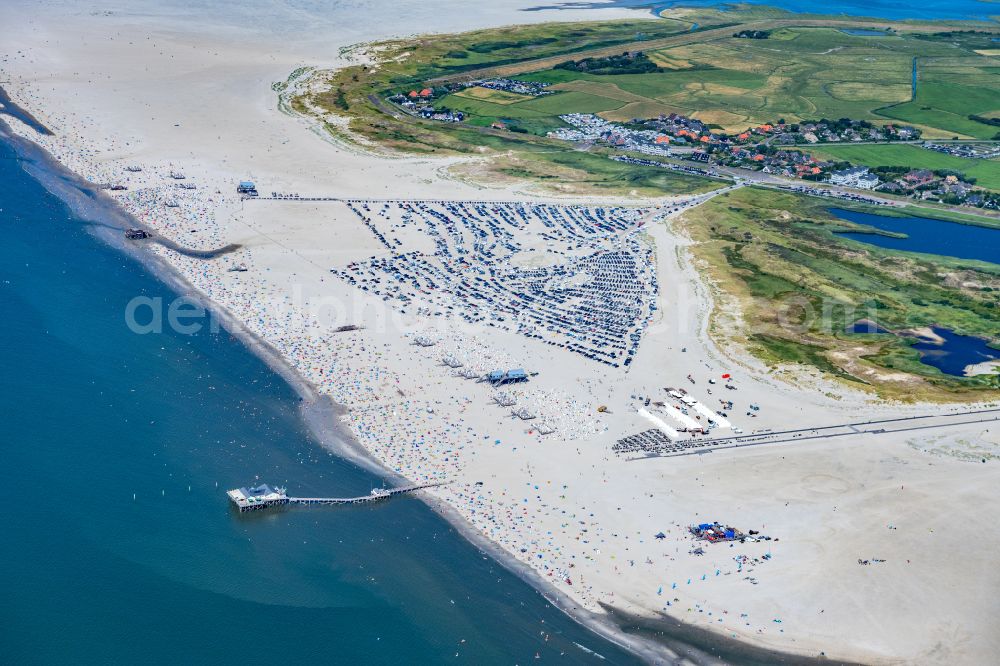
120 546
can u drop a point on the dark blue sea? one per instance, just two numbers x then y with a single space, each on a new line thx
119 546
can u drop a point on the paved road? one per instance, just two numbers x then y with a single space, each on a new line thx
773 181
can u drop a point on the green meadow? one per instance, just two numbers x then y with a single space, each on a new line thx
946 100
809 68
798 73
954 80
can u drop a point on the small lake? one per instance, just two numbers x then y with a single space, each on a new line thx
868 327
950 354
955 353
925 235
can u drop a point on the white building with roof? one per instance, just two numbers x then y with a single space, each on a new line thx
858 176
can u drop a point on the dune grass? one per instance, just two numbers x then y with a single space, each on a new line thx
800 287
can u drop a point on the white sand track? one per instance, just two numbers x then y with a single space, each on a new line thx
659 423
721 421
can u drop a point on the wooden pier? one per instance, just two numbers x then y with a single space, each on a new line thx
265 497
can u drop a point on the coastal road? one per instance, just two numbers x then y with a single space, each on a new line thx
910 142
773 181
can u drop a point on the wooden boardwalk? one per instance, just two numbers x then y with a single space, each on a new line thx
375 496
265 497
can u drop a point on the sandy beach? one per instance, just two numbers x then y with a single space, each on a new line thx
880 549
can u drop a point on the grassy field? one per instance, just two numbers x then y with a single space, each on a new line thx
799 73
800 287
947 105
810 68
986 172
494 96
802 73
359 92
443 55
582 173
955 80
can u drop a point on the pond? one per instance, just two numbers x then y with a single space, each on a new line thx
925 235
952 353
941 348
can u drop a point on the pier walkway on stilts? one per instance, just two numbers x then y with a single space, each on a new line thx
264 496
